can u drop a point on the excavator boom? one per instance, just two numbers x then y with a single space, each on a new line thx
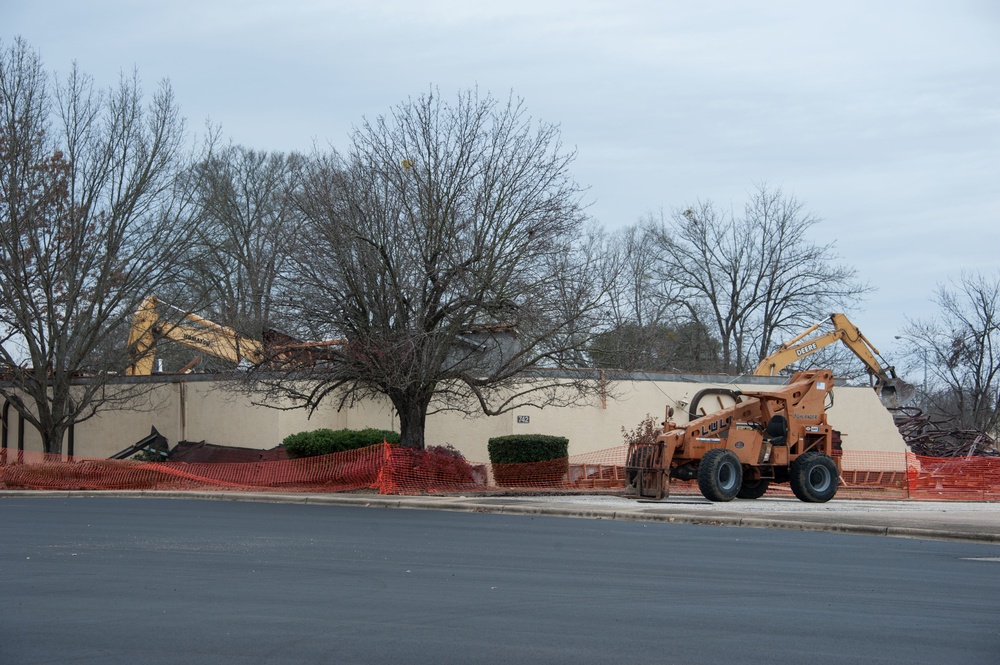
201 334
192 331
890 388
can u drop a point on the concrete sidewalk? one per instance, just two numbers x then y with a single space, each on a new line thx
951 520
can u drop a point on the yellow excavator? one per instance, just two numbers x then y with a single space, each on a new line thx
219 341
192 331
889 387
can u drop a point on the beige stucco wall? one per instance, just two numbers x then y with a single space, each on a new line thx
863 421
203 410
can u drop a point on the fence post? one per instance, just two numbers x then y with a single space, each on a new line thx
386 482
912 469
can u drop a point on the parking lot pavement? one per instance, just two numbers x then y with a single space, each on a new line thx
945 520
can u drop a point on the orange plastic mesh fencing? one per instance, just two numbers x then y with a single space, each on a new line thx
390 469
955 479
872 475
352 470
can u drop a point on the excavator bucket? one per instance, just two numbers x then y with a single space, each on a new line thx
895 392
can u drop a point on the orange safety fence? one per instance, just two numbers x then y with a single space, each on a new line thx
391 469
352 470
954 479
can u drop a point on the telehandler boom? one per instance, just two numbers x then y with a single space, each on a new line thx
769 436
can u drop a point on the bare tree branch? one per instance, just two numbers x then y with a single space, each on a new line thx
960 347
751 278
247 228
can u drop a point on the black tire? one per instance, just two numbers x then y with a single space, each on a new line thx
753 489
720 475
814 477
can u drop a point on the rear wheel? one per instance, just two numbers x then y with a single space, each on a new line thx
814 477
753 489
720 475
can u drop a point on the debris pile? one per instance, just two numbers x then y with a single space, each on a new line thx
934 438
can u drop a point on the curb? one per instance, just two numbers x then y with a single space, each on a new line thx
470 506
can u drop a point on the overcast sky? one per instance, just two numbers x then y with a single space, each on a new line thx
882 116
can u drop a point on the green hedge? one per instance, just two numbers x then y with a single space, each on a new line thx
527 448
327 441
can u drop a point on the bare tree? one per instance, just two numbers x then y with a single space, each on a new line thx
639 296
448 249
246 233
647 327
960 348
751 278
88 226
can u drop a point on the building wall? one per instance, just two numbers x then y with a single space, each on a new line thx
863 421
200 409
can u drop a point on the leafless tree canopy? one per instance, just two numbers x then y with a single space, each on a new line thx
685 347
647 326
961 348
640 295
750 279
247 224
88 226
448 249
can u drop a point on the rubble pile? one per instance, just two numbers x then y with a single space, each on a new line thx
935 438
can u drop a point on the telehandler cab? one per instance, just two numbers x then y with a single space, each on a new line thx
768 436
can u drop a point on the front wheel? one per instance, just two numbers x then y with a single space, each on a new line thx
814 477
720 475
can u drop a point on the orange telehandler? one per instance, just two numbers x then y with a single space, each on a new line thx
768 436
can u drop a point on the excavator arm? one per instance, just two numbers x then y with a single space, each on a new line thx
889 386
795 349
142 339
193 331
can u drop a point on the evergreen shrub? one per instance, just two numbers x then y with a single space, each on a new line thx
327 441
546 454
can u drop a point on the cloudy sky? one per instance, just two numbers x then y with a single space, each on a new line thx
882 116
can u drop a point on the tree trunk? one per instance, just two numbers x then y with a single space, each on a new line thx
412 411
52 440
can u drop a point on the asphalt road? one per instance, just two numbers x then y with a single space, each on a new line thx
112 580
